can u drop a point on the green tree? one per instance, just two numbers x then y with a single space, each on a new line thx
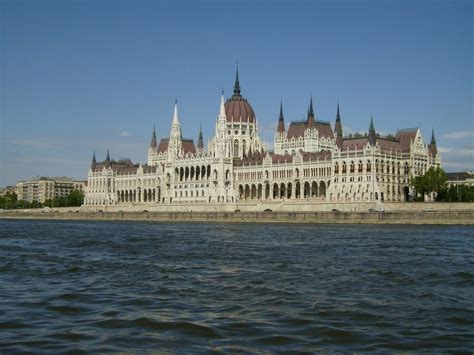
433 181
75 198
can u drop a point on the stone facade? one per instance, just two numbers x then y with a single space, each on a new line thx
310 161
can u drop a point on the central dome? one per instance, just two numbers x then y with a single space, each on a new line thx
237 108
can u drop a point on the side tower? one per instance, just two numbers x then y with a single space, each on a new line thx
280 135
175 140
153 149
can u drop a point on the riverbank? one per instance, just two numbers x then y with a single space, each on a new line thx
337 217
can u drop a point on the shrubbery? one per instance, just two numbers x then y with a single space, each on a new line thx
10 201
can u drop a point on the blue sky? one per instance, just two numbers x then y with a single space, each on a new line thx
82 75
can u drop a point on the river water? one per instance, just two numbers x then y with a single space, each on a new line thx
191 287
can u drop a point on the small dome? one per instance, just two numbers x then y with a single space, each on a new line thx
237 107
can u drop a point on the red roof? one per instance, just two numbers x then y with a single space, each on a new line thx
187 144
406 136
297 129
237 107
354 143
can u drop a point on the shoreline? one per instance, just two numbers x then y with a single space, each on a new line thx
465 217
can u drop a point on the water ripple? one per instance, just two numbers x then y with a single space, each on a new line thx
85 287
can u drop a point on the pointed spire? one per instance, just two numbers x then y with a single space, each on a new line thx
107 159
222 107
200 144
153 143
237 83
93 164
338 128
433 148
175 113
310 120
372 135
281 120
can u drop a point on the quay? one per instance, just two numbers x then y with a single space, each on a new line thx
415 213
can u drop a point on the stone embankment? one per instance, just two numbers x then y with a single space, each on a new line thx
424 214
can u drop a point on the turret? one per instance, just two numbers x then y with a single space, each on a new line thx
372 135
281 121
338 129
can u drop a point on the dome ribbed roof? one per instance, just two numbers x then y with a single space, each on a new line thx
237 107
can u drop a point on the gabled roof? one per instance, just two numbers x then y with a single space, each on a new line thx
187 144
120 165
297 129
354 143
406 136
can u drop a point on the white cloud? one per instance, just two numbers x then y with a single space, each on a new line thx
444 150
124 134
459 135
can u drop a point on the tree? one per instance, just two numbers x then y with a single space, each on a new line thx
433 181
75 198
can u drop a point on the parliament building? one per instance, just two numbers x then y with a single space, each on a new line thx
311 160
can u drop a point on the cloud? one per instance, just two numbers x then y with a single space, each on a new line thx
457 159
457 152
124 134
459 135
444 150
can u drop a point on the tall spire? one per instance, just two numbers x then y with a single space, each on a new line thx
175 139
372 135
222 107
338 128
93 161
153 143
107 159
310 120
175 113
237 84
433 147
281 120
200 144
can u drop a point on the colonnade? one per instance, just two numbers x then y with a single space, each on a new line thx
151 195
283 190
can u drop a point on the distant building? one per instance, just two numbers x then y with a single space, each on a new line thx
47 188
7 190
310 161
461 178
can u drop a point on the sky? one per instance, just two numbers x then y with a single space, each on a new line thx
84 75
